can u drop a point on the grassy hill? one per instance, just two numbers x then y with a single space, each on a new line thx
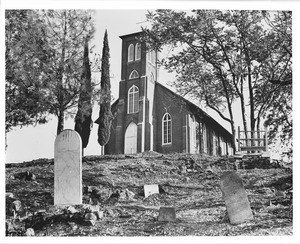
113 192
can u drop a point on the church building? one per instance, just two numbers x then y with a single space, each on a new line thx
150 117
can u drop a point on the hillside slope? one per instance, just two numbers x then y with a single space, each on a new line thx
114 204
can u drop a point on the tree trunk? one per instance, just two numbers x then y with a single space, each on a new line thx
60 124
251 101
232 129
60 95
244 115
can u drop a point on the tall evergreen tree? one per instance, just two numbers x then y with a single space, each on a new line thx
105 115
83 117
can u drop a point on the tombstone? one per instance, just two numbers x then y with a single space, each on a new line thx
67 168
167 214
150 189
235 197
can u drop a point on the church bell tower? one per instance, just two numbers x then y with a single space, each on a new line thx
139 73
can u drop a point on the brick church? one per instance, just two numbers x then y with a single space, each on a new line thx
150 117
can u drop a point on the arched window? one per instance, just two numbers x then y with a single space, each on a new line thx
133 100
130 52
138 51
167 129
134 74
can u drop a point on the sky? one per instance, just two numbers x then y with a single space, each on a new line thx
28 143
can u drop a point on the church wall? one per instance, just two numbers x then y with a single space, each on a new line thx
167 102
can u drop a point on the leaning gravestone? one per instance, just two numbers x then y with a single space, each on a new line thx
67 168
235 197
150 189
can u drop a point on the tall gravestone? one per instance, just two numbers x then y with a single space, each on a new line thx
68 168
235 197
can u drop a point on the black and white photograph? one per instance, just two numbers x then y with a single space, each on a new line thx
138 120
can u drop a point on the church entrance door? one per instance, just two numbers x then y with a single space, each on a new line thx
131 139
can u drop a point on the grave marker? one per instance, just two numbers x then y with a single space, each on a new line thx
150 189
167 214
235 197
68 168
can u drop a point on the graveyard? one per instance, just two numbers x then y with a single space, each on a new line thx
118 199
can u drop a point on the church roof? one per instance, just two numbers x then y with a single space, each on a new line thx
131 34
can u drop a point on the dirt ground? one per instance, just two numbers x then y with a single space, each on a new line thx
188 183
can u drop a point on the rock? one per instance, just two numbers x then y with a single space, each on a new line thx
73 226
16 207
126 195
9 195
95 209
110 213
182 169
29 232
71 210
90 218
97 195
280 194
9 227
130 195
25 176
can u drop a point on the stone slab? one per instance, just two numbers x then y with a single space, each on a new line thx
68 168
150 189
235 197
167 214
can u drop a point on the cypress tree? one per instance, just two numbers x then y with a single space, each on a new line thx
105 115
83 117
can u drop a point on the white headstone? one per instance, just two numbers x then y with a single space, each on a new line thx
68 168
150 189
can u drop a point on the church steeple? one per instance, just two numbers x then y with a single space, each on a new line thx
136 91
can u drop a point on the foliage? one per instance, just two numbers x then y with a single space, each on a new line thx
222 56
43 63
27 57
66 32
105 115
83 118
279 120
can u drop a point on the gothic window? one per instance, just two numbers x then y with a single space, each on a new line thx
134 74
133 100
130 52
137 51
167 129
